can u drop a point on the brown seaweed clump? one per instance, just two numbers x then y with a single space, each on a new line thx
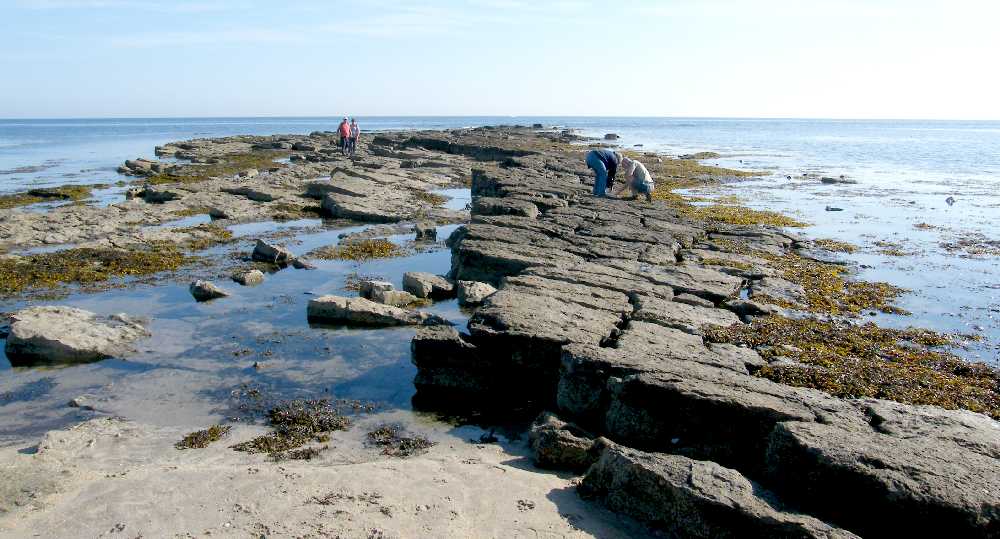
853 361
85 265
433 199
360 251
295 424
205 236
393 442
836 246
202 438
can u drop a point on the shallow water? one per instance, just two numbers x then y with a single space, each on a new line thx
200 353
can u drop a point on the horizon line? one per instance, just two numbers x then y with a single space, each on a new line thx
538 116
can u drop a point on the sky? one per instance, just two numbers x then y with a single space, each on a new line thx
929 59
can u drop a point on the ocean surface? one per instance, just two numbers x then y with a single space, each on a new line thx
906 172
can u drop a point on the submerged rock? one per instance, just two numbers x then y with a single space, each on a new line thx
471 293
693 498
249 277
67 334
265 252
428 285
363 312
205 291
425 231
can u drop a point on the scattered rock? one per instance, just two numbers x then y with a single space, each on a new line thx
67 334
396 298
367 288
834 208
428 285
265 252
251 277
82 402
829 181
472 293
363 312
611 136
205 291
560 445
301 264
425 231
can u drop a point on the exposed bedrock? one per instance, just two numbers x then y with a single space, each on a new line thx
600 315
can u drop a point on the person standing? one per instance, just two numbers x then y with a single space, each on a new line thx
604 163
355 133
344 130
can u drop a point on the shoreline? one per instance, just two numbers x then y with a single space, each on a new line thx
518 202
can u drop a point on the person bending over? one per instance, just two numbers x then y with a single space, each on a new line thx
604 163
637 178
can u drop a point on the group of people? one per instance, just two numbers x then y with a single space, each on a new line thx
606 162
349 133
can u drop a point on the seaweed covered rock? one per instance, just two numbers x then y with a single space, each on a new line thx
560 445
693 498
363 312
67 334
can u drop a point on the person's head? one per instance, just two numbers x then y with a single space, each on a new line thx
353 121
345 118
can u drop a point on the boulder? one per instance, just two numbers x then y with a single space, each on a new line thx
205 291
396 298
611 136
299 263
265 252
254 194
66 334
472 293
692 498
425 231
367 288
428 285
560 445
251 277
363 312
158 196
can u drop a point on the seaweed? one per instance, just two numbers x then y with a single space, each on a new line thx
85 265
46 194
227 165
202 438
853 361
360 251
836 246
393 442
296 423
206 235
433 199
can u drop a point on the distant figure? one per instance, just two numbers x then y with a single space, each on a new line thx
344 130
637 178
604 163
355 133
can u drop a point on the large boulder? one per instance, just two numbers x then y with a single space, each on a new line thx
693 498
363 312
66 334
275 254
428 285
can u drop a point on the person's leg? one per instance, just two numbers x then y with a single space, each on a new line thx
600 173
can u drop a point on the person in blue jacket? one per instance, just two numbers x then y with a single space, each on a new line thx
604 163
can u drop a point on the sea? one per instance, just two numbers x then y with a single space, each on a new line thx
923 206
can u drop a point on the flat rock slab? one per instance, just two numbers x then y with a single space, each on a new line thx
363 312
428 285
688 318
68 334
693 498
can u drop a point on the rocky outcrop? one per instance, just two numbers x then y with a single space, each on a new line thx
363 312
693 498
67 334
560 445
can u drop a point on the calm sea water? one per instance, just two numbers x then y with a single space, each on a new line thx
905 171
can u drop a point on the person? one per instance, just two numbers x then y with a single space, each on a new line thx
604 163
344 130
355 133
637 178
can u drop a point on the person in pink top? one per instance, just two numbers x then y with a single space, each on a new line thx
344 130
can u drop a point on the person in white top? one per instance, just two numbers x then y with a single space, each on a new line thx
637 178
355 133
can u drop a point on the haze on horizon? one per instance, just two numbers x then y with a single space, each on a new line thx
926 59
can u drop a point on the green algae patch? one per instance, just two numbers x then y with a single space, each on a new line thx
227 165
46 194
854 361
360 251
394 442
836 246
295 424
203 438
86 265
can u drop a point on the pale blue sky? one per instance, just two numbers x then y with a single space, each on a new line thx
766 58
